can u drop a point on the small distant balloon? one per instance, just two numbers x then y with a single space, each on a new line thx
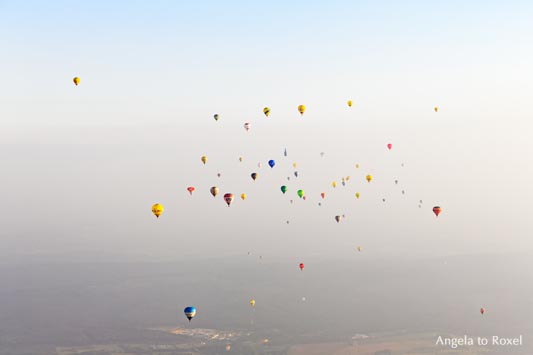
228 198
76 81
437 210
190 312
369 178
203 159
254 176
436 109
302 266
284 189
357 195
247 126
191 189
300 193
243 197
389 146
214 191
349 103
272 163
338 218
158 209
266 111
301 109
216 116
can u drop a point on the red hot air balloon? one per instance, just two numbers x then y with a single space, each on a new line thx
302 266
323 194
389 146
191 189
482 311
228 198
437 210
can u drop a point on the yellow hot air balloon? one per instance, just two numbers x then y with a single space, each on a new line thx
158 209
294 165
252 303
76 80
204 159
369 178
436 109
349 103
357 195
357 166
334 184
359 248
266 111
301 109
243 196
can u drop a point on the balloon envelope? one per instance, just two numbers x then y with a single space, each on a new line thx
302 266
76 80
437 210
214 191
300 193
284 189
301 109
272 163
228 198
158 209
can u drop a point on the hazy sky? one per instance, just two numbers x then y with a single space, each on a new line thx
81 166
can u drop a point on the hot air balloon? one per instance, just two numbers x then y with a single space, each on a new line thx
271 163
357 195
305 198
259 165
436 109
334 184
228 198
482 311
158 209
322 154
214 191
437 210
266 111
301 109
252 303
389 146
247 126
349 103
284 189
254 176
300 193
396 182
190 312
243 197
219 174
76 80
294 165
302 266
228 347
191 189
359 248
357 166
285 152
323 194
296 173
240 159
338 218
369 178
203 159
216 116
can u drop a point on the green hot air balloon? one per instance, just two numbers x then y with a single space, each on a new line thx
284 189
301 193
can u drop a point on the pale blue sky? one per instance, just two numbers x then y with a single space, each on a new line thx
153 73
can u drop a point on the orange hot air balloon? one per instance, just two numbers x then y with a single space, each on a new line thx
302 266
389 146
228 198
482 311
437 210
191 189
323 194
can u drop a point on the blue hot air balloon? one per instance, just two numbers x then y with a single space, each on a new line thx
271 163
190 312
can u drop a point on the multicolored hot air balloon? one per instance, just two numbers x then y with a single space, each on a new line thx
302 266
76 80
203 159
437 210
284 189
190 312
214 191
301 109
266 111
254 176
228 198
158 209
271 163
191 189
